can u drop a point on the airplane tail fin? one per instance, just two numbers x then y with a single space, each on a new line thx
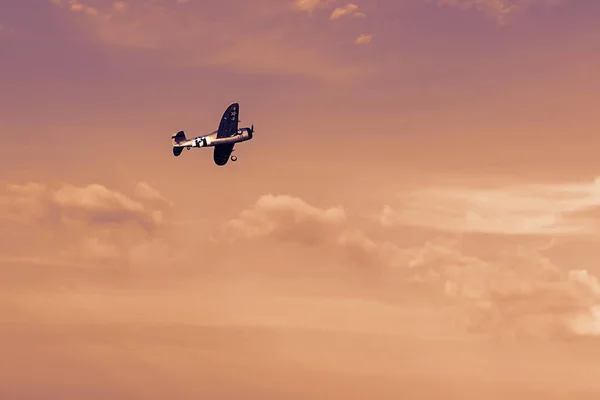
176 139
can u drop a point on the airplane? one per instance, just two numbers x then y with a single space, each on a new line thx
222 139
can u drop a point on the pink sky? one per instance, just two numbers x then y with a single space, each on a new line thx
417 214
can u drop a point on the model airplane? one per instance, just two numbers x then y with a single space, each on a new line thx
222 139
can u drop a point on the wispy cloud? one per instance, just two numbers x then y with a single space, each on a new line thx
146 192
349 10
309 5
524 210
76 6
119 5
497 9
185 37
363 38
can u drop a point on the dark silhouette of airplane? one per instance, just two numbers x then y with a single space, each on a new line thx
223 139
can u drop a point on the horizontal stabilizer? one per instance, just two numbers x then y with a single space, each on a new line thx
177 151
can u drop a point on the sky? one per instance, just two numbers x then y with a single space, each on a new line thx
416 216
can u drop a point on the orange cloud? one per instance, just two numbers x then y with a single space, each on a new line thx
88 204
185 37
350 10
521 294
80 224
363 39
120 5
286 216
515 293
146 192
511 291
310 292
76 6
309 5
521 210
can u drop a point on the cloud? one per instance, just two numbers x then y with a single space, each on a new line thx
309 5
390 333
184 37
146 192
79 224
520 210
358 248
519 294
497 9
97 204
287 243
512 291
96 248
349 9
120 5
325 238
388 217
76 6
287 217
363 39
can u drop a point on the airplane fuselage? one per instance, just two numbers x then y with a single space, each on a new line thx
211 140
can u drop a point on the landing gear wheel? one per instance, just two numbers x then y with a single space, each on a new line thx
233 158
188 147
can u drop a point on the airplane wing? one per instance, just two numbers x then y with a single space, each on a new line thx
227 128
222 153
229 122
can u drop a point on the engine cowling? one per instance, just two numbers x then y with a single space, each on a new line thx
244 133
